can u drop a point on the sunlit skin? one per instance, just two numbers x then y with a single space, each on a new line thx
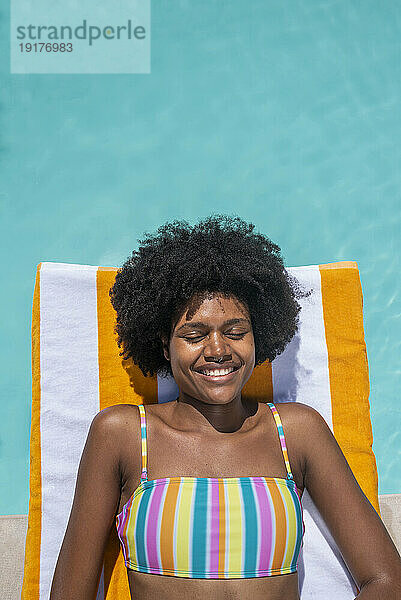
219 334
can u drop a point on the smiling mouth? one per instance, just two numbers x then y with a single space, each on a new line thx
218 374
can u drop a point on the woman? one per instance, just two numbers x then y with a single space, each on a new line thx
206 491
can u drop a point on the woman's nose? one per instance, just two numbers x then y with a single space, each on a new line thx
216 346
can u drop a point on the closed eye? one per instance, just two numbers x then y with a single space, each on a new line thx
199 337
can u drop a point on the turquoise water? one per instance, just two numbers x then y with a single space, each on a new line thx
284 113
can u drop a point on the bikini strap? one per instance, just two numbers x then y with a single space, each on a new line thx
282 438
144 473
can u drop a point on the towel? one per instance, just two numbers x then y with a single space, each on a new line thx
77 371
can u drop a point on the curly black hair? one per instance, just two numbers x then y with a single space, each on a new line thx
179 263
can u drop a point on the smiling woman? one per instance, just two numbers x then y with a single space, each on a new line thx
213 509
213 356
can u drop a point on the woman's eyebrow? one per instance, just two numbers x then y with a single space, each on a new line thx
201 324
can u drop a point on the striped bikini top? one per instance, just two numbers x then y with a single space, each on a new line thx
213 528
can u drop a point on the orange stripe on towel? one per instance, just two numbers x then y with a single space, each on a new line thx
30 585
344 264
120 382
348 371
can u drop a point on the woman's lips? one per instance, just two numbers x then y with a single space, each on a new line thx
218 378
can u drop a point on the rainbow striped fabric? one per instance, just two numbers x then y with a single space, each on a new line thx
216 528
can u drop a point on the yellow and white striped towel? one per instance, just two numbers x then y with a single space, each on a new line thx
77 371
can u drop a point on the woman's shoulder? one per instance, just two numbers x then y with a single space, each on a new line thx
301 422
120 417
117 423
297 413
306 424
117 414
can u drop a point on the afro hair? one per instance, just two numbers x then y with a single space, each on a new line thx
181 262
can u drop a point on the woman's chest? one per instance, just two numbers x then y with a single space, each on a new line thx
174 455
206 516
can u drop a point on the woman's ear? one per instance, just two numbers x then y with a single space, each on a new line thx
165 348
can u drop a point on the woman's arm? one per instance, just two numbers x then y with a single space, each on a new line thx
95 504
361 536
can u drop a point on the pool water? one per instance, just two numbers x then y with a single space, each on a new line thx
287 115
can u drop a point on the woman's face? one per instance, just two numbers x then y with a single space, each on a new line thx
212 351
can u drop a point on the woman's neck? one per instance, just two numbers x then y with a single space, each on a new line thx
225 418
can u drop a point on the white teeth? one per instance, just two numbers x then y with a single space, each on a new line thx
218 372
